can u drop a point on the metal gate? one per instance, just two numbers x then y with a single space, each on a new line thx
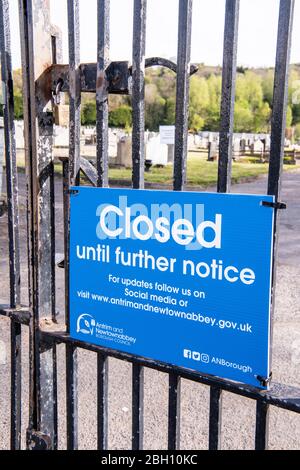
44 77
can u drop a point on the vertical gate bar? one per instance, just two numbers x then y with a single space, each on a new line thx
13 222
101 91
72 397
182 92
228 94
138 164
230 42
74 88
137 407
29 137
102 401
280 95
103 25
138 92
38 129
179 176
215 418
16 385
74 167
71 351
65 188
278 124
174 412
57 58
10 155
261 426
52 235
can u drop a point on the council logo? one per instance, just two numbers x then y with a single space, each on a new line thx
85 324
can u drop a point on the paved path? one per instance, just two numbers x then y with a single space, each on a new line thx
238 413
289 232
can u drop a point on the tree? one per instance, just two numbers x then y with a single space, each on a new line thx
243 117
18 105
196 123
199 101
297 132
268 86
249 89
294 96
289 117
120 117
155 113
261 118
18 101
296 114
169 113
252 113
212 119
88 114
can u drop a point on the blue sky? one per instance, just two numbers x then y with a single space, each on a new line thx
257 30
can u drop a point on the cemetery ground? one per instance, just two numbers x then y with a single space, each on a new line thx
200 172
238 419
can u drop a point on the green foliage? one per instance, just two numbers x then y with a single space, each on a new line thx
18 95
242 117
297 132
296 113
253 102
200 172
18 99
88 113
212 120
289 116
252 110
121 117
267 87
155 113
169 116
199 102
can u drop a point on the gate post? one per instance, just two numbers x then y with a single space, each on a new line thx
36 48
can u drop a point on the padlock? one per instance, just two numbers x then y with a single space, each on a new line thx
61 115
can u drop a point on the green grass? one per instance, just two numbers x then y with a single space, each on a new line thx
200 172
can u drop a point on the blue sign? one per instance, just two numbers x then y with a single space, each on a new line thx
180 277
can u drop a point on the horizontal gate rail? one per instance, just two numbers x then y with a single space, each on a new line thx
282 396
19 315
117 75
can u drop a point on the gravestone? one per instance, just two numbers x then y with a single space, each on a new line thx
156 152
236 149
212 151
124 157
